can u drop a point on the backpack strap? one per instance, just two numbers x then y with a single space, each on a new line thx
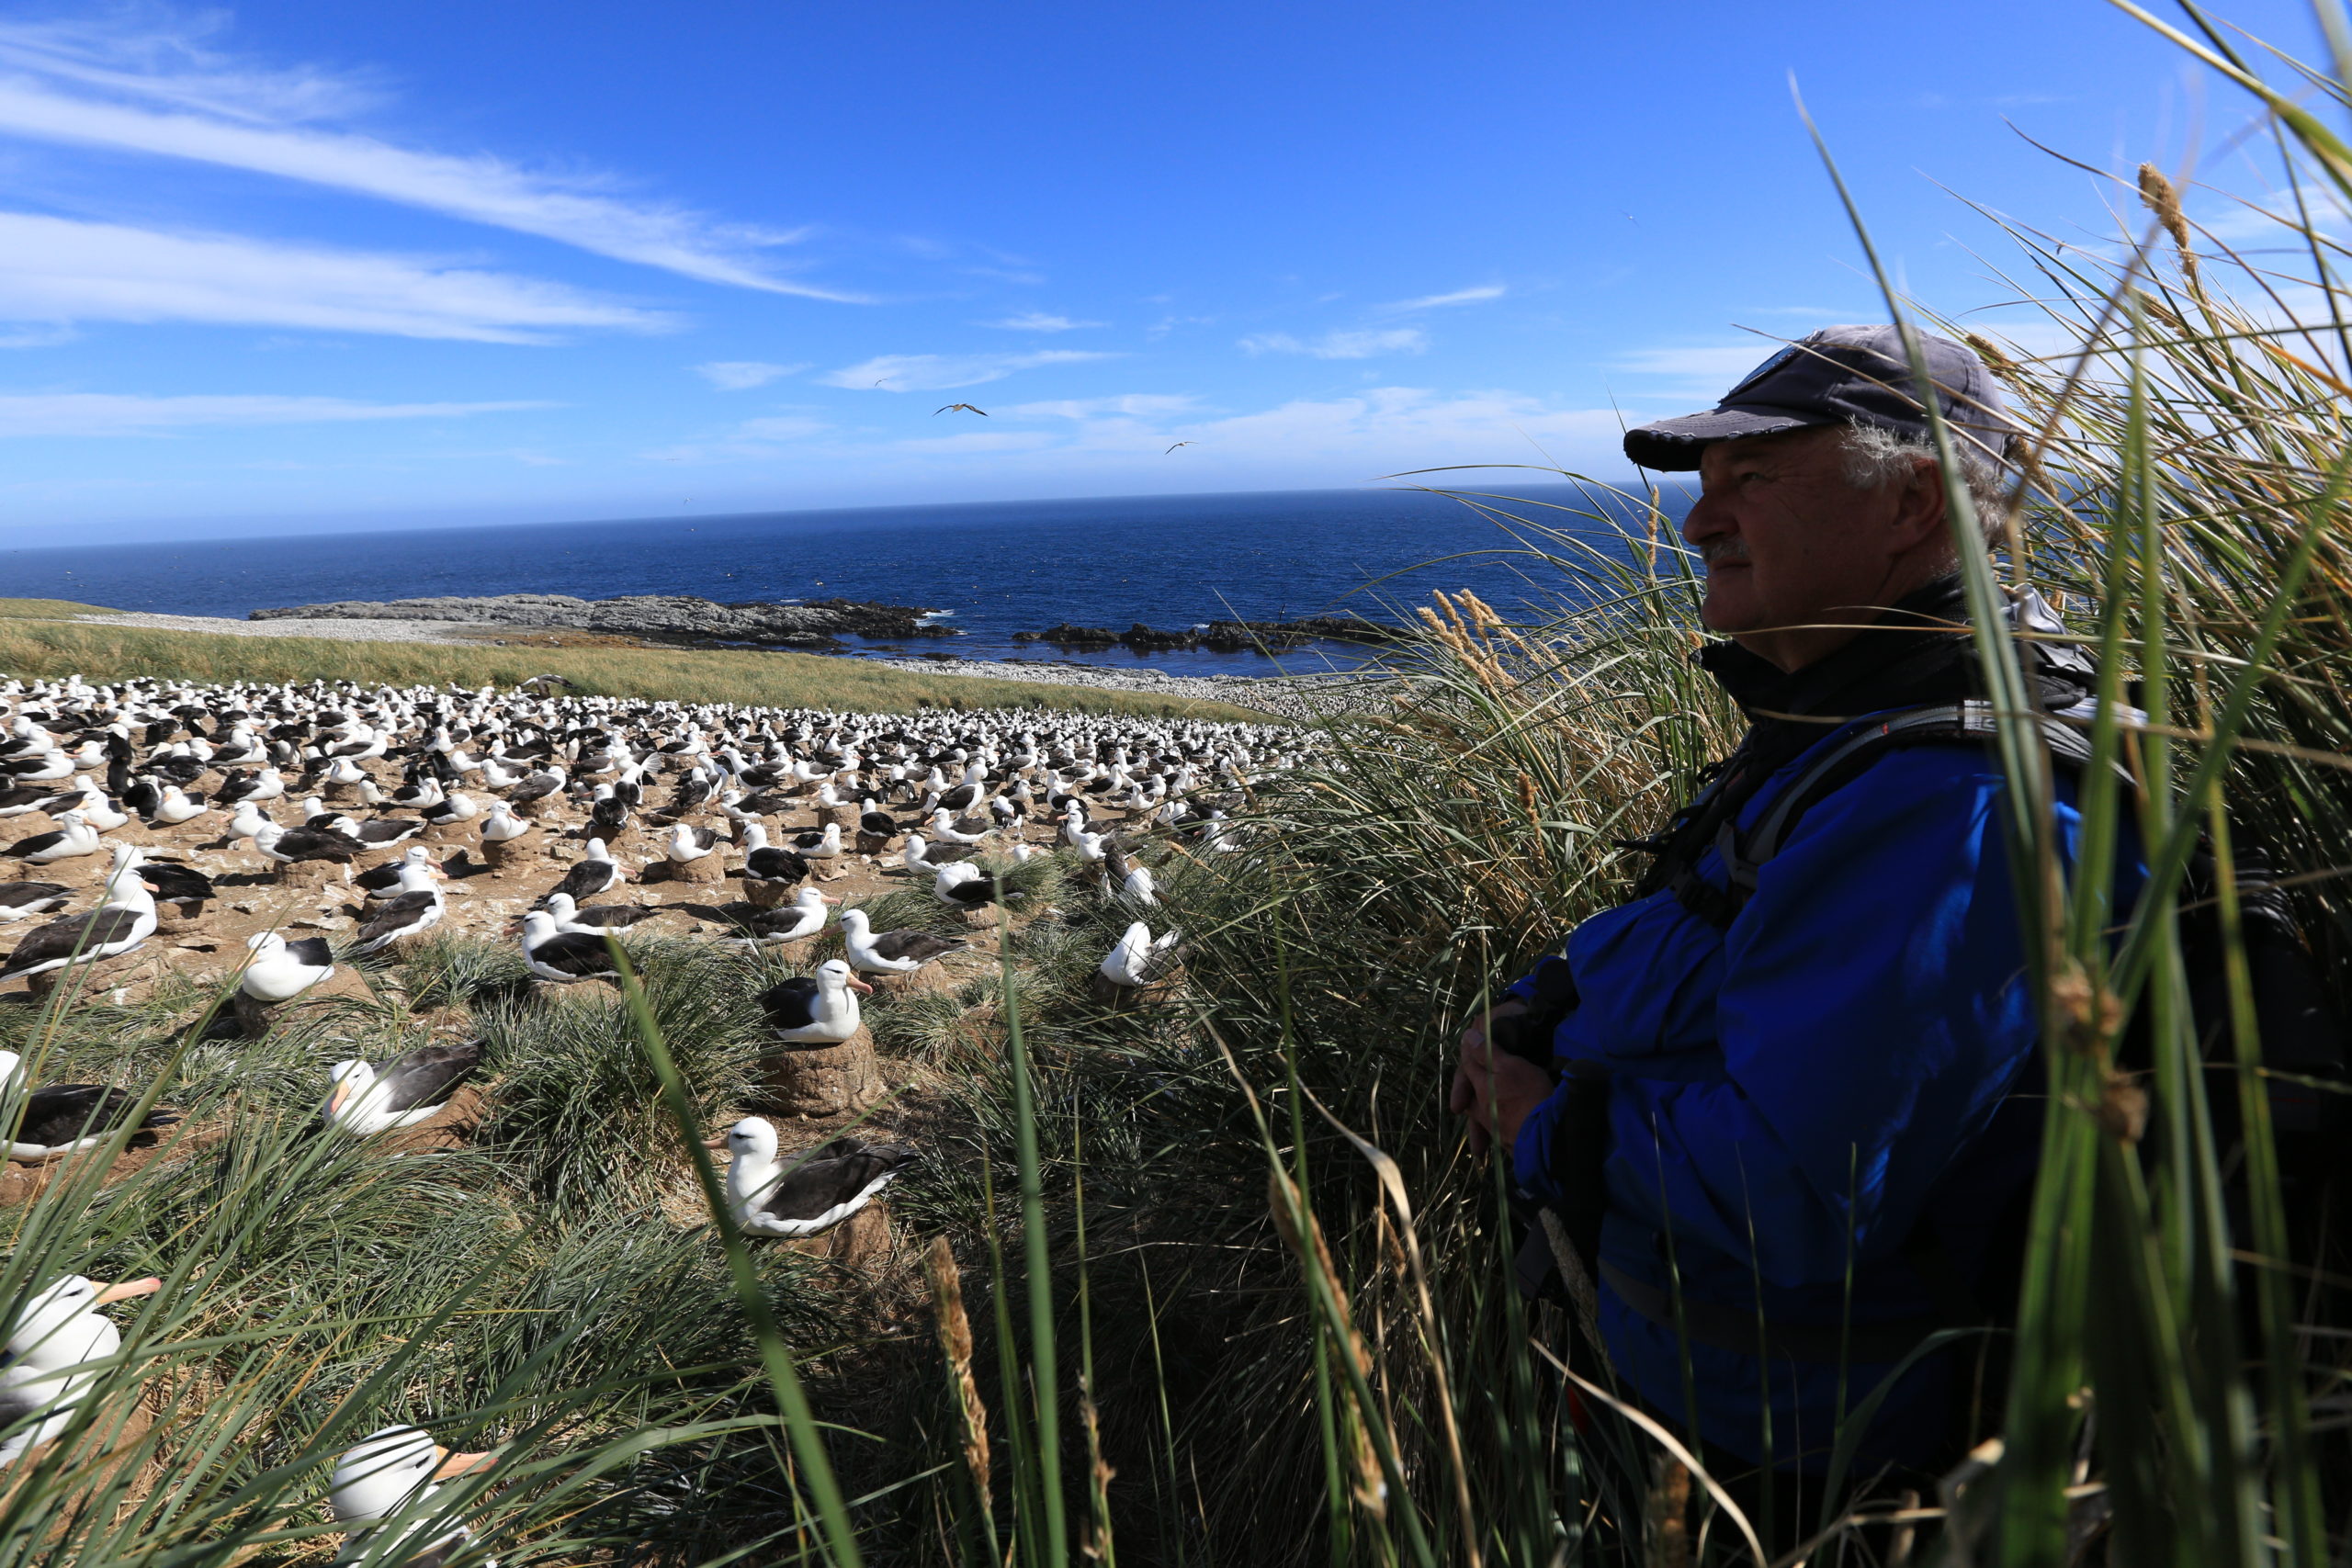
1830 766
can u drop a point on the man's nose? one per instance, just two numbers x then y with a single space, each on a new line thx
1703 521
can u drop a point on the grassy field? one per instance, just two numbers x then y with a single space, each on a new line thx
776 680
44 609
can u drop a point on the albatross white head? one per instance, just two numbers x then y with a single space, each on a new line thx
394 1469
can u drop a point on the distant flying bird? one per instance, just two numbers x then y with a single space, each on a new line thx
1173 448
951 408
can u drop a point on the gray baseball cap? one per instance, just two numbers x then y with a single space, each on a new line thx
1839 376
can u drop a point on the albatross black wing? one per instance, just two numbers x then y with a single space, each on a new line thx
392 916
33 897
67 1112
791 1004
311 949
920 946
835 1183
173 882
573 952
425 1076
61 939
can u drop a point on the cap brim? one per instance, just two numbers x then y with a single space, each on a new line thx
1672 445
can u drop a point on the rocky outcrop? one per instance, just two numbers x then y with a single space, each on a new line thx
666 616
1222 637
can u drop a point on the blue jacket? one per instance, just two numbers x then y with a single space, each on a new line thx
1848 1067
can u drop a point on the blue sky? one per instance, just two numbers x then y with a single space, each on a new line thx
327 266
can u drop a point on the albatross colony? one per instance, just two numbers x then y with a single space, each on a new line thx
309 808
347 826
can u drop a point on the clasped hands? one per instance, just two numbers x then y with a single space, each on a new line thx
1494 1089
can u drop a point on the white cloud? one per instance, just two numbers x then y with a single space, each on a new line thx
1459 297
1038 322
1725 363
750 441
111 414
1132 405
57 270
69 86
742 375
943 372
1360 345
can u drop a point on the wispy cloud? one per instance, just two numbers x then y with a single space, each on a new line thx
1131 405
1478 296
943 372
1364 344
1038 322
111 414
1702 365
742 375
751 440
55 270
104 86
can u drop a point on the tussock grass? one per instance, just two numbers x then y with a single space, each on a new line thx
37 648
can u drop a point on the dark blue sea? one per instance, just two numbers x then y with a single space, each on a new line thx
994 567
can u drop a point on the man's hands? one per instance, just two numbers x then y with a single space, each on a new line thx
1494 1089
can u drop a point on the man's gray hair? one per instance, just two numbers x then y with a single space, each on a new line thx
1874 455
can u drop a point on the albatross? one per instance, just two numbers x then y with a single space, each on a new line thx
817 1008
391 1475
53 1336
414 911
59 1118
892 952
123 919
280 970
407 1091
564 957
813 1194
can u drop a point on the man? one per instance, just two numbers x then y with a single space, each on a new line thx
1798 1087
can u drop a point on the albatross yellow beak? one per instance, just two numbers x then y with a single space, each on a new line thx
341 1092
718 1143
128 1289
857 985
455 1465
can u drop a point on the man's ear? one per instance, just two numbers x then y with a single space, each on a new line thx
1921 513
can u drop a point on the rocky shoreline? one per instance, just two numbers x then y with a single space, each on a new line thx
1219 637
817 624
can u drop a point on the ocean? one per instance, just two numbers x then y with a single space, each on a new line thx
993 568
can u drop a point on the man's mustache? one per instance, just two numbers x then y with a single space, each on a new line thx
1727 549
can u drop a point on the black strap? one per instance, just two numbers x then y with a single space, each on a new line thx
1833 764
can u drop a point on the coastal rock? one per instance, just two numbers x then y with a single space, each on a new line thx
817 622
1223 636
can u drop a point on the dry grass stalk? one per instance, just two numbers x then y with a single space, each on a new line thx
1284 1201
956 1343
